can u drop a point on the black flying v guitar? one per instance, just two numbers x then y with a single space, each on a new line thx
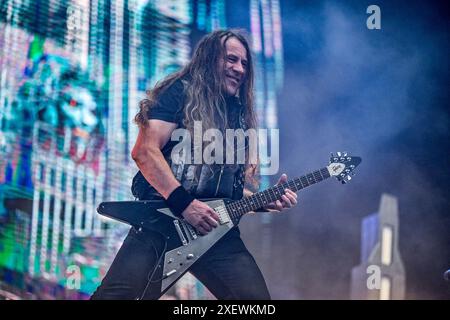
180 245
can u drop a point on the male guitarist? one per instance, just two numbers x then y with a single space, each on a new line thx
215 87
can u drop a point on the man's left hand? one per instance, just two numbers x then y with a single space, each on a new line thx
288 199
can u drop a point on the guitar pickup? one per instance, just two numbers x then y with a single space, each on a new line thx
223 214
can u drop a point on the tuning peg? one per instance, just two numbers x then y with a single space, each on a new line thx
343 182
345 154
338 154
349 178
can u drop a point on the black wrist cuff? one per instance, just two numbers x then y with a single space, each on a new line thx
179 200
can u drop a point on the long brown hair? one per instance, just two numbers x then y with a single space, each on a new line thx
204 95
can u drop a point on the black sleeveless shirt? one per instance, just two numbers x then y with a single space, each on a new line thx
201 180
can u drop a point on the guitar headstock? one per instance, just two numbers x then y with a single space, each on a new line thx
342 166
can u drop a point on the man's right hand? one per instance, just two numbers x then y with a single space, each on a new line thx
201 216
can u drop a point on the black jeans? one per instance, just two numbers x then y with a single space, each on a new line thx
228 270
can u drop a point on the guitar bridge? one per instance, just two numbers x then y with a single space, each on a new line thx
180 232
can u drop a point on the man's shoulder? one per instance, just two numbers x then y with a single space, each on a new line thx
169 103
176 88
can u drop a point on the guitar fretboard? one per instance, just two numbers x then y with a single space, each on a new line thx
237 209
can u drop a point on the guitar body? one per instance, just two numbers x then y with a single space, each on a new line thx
178 244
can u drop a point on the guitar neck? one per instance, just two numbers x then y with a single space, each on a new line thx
260 199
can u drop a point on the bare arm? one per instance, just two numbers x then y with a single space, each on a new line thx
155 169
149 158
